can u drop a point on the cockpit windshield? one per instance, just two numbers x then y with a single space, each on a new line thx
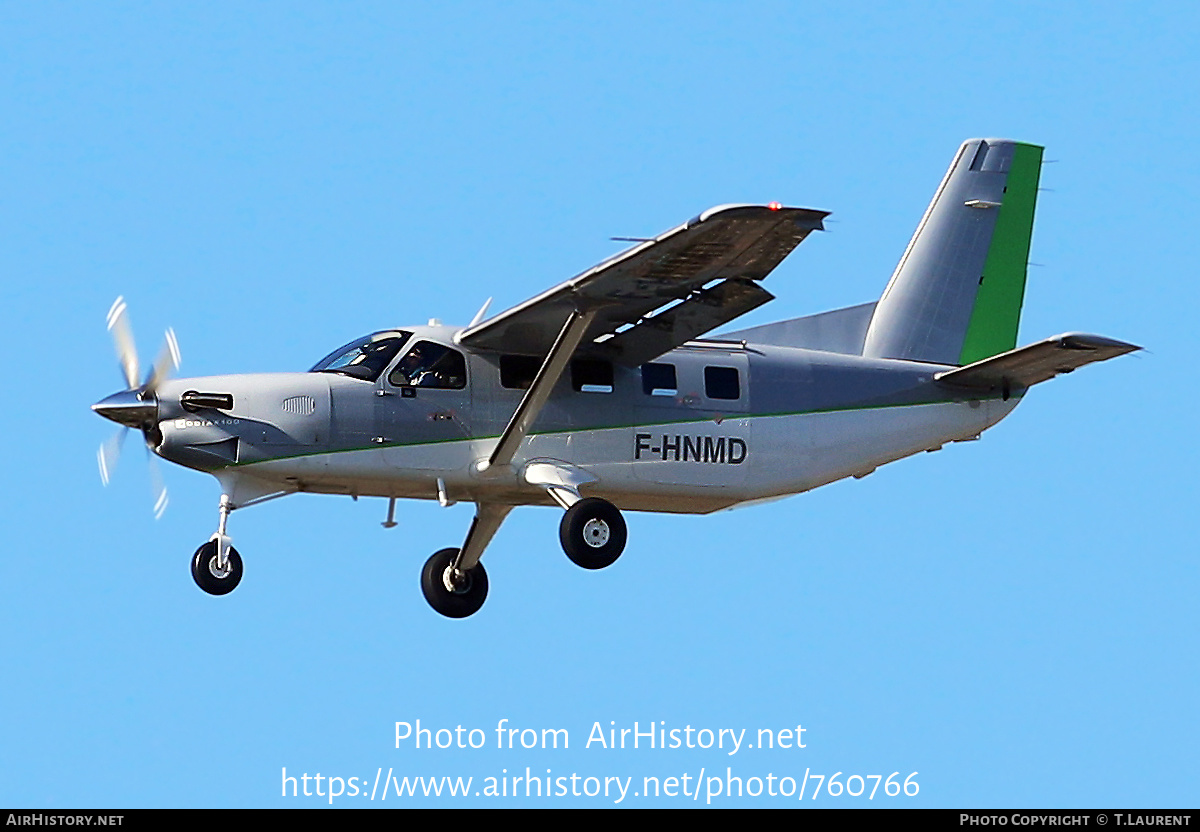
365 357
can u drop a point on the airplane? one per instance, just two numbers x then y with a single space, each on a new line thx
602 394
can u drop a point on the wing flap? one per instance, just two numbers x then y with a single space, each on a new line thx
1029 365
702 312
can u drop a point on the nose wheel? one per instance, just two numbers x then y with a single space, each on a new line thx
453 593
592 533
210 575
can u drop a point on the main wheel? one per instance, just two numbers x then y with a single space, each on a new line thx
210 577
592 533
453 599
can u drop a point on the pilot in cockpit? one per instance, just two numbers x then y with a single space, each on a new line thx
413 370
430 365
417 369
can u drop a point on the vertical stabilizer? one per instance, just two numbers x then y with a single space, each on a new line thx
956 295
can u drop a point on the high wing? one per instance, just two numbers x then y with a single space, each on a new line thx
705 269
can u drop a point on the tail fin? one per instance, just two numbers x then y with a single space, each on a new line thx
955 297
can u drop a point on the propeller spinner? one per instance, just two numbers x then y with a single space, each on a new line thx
137 405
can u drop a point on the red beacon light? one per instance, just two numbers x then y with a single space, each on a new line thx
774 206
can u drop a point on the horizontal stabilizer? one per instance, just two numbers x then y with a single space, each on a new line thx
1026 366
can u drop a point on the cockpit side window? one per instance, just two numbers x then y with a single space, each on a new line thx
430 365
363 358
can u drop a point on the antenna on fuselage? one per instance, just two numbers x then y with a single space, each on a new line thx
479 315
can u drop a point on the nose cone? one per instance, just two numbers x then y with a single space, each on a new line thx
128 408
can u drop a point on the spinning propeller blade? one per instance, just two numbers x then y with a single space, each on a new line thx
109 453
166 363
122 335
158 488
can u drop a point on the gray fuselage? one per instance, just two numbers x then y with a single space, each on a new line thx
706 426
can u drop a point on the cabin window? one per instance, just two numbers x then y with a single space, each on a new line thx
517 372
592 376
430 365
722 383
659 380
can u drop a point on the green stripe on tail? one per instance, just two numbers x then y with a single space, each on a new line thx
997 311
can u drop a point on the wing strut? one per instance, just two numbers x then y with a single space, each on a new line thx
488 517
535 397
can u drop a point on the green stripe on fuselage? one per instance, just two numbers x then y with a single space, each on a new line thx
923 402
997 311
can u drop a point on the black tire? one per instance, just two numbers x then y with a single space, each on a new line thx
205 574
592 533
463 600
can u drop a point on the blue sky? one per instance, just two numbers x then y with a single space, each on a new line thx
1013 619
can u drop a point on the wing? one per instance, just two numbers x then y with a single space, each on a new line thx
705 270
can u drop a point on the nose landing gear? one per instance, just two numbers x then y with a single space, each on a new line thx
217 566
210 575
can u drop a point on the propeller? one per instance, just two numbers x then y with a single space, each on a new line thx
137 405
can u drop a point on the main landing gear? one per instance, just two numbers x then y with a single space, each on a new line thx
592 533
455 593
